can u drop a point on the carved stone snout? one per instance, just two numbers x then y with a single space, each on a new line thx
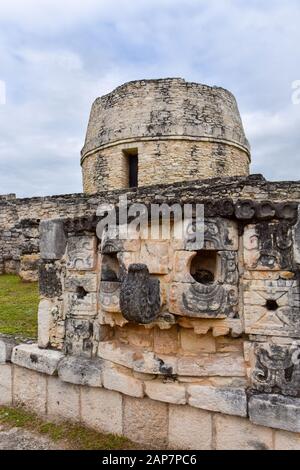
140 295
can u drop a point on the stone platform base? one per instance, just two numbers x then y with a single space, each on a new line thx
143 420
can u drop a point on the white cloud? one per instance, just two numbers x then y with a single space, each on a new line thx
56 57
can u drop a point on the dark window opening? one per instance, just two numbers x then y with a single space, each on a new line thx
133 164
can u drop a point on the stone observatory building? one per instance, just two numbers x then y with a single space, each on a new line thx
168 341
163 131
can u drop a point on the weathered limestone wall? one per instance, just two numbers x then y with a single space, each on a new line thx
161 160
130 313
231 379
19 218
19 228
135 413
182 131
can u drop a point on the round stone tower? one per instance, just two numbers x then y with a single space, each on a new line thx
150 132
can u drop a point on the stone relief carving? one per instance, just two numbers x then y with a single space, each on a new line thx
248 209
102 296
81 253
78 339
203 301
109 296
276 369
219 234
80 304
229 273
140 295
272 307
217 298
268 246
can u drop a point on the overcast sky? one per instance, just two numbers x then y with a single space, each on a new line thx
57 56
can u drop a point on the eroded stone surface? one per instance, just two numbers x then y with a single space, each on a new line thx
275 368
53 239
227 400
32 357
189 428
275 411
81 371
235 433
146 421
81 253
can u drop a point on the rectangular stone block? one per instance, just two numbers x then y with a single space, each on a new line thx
275 411
189 428
271 307
81 253
76 305
166 341
135 335
145 361
235 433
45 322
79 337
169 392
224 365
114 378
101 409
145 421
5 384
30 389
53 240
285 440
227 400
196 300
219 234
40 360
74 280
267 246
265 358
81 371
63 400
193 343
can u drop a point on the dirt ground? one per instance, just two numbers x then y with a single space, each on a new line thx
21 439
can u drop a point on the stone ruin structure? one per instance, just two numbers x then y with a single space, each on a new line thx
162 341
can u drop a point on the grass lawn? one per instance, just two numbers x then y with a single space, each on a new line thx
67 435
18 306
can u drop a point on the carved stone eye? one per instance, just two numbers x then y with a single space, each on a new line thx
203 276
204 266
